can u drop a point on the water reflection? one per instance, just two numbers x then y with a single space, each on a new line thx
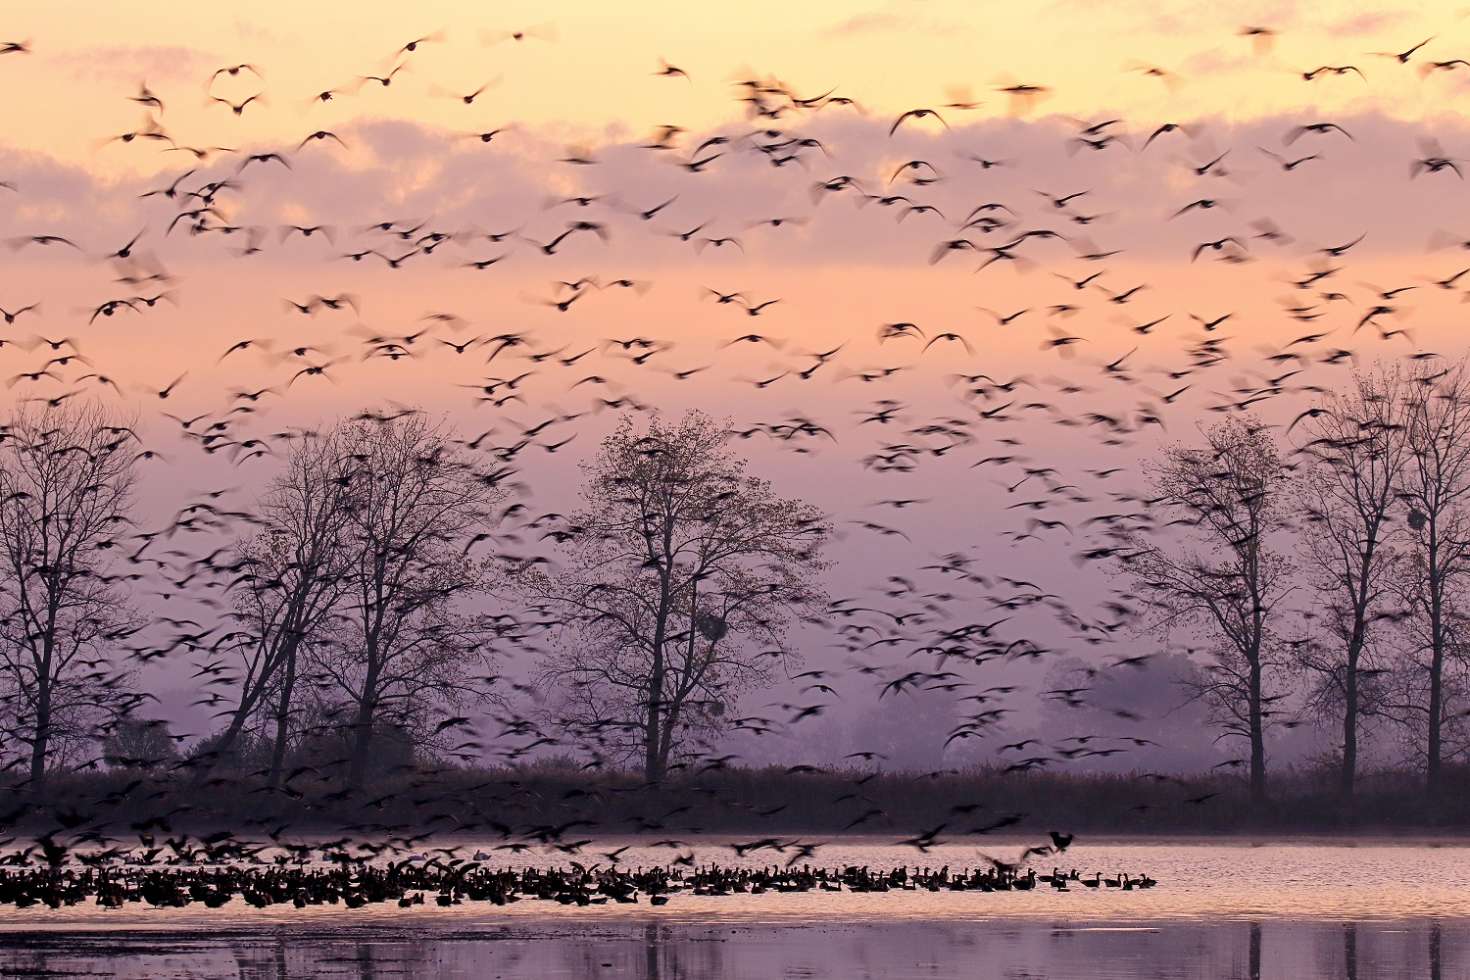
665 950
653 938
1342 881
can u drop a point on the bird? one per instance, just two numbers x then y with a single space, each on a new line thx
1284 163
917 114
238 108
1297 132
1402 57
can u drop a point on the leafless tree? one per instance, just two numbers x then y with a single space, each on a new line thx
293 572
66 483
400 642
676 586
1356 443
1436 494
1228 575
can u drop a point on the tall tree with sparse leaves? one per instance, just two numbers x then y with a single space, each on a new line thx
399 642
66 490
676 587
1355 443
1436 497
1227 574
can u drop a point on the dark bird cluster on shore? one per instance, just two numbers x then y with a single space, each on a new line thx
456 881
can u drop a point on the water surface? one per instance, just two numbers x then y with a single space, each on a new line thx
1236 909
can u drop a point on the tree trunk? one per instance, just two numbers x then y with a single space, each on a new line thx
673 708
1257 734
1348 772
362 740
41 739
1347 778
1436 719
362 725
666 746
1357 639
653 766
231 735
283 721
1436 670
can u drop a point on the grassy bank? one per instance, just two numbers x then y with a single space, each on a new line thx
511 803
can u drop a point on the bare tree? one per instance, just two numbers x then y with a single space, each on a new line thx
676 586
293 573
1436 491
399 643
1228 576
66 482
1356 444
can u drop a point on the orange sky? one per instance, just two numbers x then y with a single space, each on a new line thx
594 70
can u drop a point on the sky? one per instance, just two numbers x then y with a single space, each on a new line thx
586 78
587 70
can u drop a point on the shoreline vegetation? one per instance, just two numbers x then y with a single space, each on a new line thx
547 805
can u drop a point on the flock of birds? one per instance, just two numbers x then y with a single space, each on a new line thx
958 609
455 881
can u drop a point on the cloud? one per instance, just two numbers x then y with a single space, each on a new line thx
1366 23
400 170
260 34
891 20
137 63
1216 61
869 23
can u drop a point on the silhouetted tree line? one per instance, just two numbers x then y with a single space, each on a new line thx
343 602
1321 573
352 626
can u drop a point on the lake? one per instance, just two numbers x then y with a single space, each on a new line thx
1288 909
